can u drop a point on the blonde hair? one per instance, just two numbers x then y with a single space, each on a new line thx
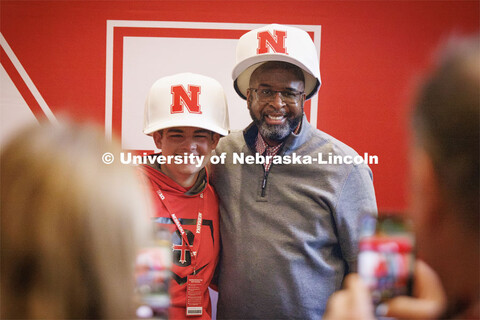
70 226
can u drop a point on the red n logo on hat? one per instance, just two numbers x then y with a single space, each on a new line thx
276 41
182 98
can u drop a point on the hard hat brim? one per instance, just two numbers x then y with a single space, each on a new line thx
182 123
243 71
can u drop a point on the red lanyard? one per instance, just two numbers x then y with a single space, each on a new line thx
198 230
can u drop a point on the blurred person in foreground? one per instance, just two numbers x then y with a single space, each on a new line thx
70 226
444 199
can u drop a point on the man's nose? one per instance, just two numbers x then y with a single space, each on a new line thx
277 100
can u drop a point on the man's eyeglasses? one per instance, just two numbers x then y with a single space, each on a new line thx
267 95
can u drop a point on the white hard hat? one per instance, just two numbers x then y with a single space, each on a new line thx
276 42
186 100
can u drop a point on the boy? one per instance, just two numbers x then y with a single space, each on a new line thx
186 114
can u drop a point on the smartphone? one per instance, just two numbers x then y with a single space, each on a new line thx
152 275
386 256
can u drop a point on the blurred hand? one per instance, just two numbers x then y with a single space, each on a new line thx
353 302
428 301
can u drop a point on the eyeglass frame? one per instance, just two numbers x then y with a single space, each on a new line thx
297 94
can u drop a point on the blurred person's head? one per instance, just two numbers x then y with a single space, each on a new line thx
70 226
445 171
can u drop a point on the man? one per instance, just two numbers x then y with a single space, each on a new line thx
444 199
289 231
186 114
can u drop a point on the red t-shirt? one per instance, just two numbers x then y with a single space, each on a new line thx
186 208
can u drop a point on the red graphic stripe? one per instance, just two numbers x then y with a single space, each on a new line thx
179 33
21 86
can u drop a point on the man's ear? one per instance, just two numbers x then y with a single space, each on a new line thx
157 138
215 138
249 98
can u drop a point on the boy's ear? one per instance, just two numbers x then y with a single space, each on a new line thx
157 138
215 138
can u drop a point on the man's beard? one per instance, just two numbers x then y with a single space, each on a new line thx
277 132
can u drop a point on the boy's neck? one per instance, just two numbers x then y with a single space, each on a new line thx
184 180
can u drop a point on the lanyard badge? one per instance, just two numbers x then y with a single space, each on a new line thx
194 299
194 295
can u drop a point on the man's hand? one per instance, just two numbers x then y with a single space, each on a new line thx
353 302
428 301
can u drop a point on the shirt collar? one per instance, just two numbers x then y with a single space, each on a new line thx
261 146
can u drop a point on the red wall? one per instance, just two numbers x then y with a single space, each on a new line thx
372 56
